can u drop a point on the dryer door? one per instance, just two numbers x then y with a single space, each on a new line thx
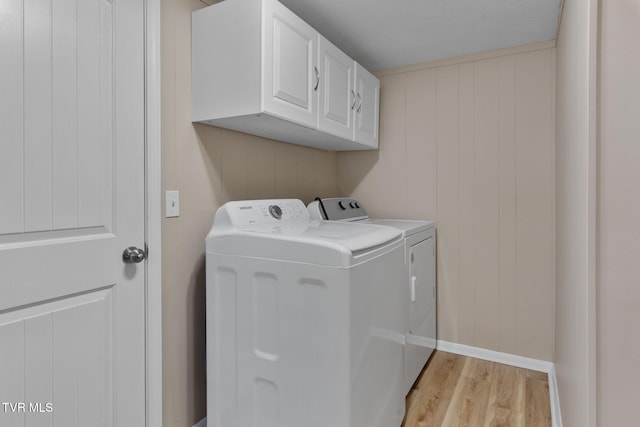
422 287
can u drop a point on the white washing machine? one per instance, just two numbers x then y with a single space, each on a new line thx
305 326
419 294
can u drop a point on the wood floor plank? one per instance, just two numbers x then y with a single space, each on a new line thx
468 405
432 392
537 409
455 390
506 398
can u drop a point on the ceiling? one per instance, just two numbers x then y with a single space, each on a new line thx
386 34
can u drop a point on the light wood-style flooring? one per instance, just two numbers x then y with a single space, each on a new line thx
455 390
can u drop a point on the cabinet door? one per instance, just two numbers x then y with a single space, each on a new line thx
290 73
422 286
337 96
367 107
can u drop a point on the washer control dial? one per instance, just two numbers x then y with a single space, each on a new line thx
341 204
275 211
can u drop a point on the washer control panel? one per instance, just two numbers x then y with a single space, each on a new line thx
275 211
254 212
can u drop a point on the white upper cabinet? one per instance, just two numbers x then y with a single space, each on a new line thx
290 67
349 97
367 107
258 68
337 96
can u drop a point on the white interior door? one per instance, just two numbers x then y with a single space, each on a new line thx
72 333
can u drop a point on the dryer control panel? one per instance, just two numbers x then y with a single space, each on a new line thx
337 209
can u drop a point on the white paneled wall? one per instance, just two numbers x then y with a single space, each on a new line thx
56 114
471 146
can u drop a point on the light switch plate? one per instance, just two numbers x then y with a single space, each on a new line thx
172 200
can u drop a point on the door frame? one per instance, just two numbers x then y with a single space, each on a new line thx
153 213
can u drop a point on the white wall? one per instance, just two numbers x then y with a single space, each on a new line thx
575 210
619 215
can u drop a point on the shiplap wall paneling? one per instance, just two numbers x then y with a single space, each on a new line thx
251 167
468 285
535 195
386 181
447 202
421 143
383 179
261 160
487 201
470 145
507 209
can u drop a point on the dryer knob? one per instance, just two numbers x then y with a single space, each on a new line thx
357 205
353 205
341 205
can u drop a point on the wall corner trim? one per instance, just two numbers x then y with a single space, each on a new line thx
513 360
201 423
554 397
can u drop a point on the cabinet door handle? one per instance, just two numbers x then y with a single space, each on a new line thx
315 69
353 104
359 103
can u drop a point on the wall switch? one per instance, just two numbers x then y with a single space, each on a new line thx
172 200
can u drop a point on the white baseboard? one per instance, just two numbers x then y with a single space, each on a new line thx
201 423
513 360
495 356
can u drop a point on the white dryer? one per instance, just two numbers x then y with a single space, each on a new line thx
419 294
305 326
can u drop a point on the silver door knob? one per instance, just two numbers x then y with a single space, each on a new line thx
133 255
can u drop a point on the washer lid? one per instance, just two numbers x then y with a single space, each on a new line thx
357 237
293 237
